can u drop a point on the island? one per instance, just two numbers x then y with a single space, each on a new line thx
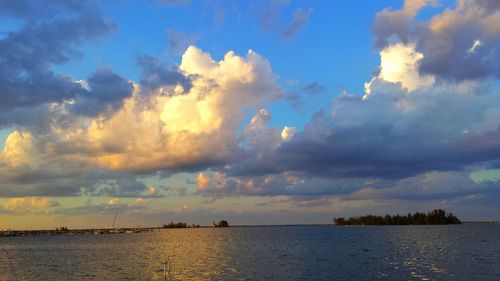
180 225
222 223
437 216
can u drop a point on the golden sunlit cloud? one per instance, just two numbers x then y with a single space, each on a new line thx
152 190
142 201
164 131
162 128
19 150
25 205
399 63
113 201
287 133
203 180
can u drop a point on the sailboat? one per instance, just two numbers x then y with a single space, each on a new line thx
115 228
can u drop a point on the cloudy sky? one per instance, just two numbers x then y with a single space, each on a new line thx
258 112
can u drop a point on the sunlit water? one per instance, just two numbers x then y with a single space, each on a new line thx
461 252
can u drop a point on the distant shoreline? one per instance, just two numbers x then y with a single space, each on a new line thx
108 231
435 217
481 222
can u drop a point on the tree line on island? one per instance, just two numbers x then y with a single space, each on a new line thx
222 223
180 225
437 216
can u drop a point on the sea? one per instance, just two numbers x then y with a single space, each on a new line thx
438 252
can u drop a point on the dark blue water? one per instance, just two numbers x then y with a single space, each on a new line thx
460 252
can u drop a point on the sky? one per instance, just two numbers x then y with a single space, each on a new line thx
256 112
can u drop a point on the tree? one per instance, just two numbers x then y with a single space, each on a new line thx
175 225
222 223
437 216
339 221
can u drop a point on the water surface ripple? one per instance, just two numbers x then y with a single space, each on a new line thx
458 252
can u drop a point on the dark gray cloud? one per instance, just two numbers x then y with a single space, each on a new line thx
73 181
458 59
303 190
380 148
36 118
48 37
106 93
311 201
458 44
31 10
391 135
58 188
155 74
490 5
427 186
400 23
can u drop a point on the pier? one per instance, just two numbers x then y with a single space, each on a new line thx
92 231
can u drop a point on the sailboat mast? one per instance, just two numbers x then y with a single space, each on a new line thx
116 220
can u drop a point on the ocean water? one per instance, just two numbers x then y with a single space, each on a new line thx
457 252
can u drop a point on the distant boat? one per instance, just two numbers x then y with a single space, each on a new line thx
115 228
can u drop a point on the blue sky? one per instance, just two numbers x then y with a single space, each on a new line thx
295 111
323 51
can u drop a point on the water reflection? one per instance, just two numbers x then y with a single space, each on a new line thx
196 254
261 253
421 251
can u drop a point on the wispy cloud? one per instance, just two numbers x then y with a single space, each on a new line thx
300 19
175 2
313 88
